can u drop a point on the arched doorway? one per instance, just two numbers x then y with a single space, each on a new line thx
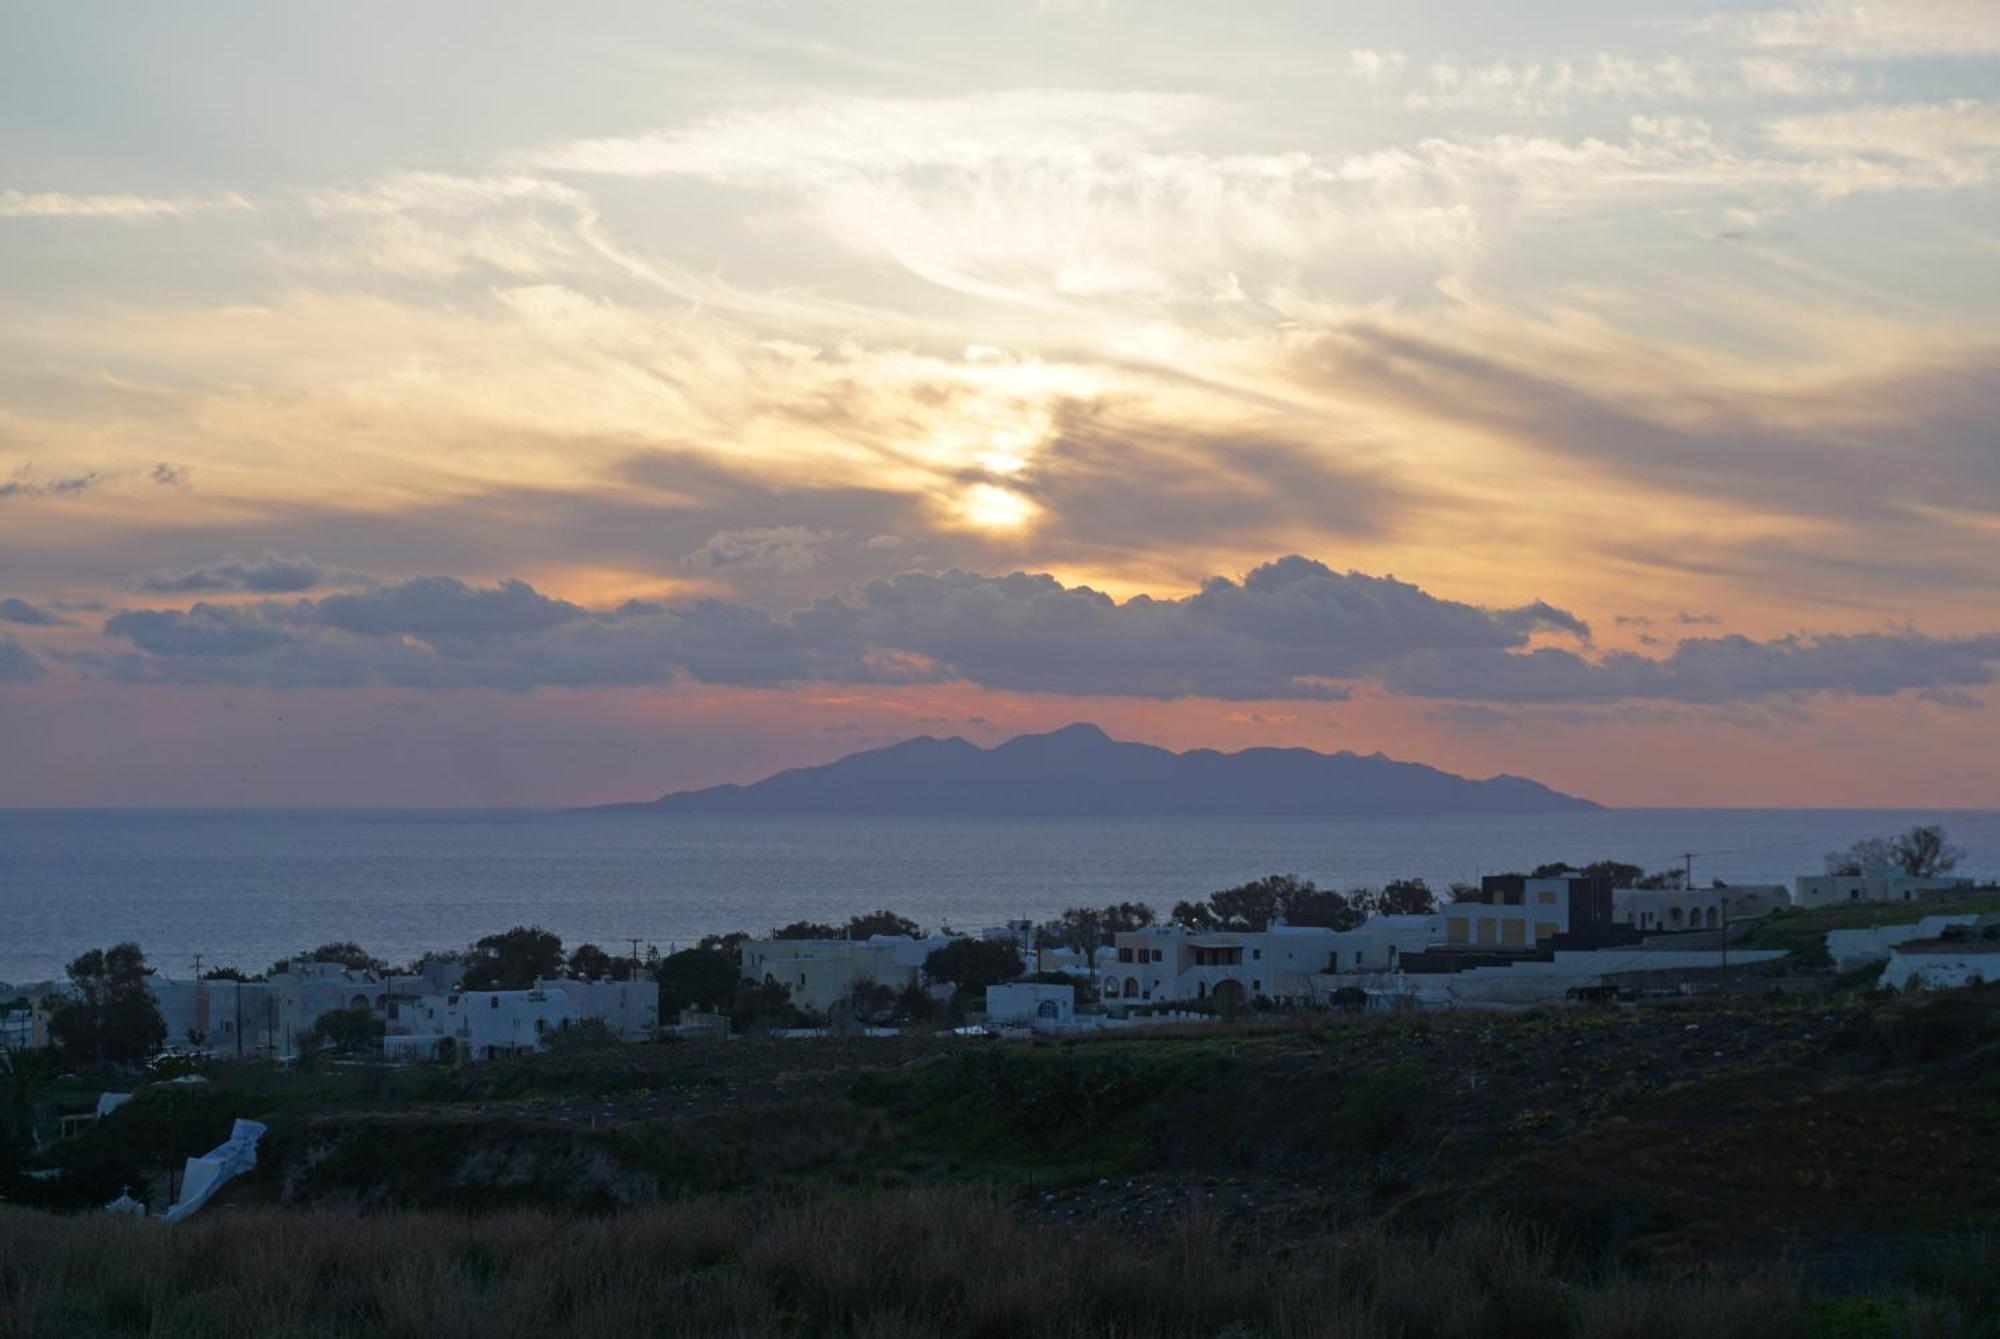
1131 986
1228 994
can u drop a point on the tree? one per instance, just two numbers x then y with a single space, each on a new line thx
883 923
728 943
763 1004
807 930
702 978
917 1003
349 955
1087 929
1255 905
588 962
349 1030
514 959
112 1016
1923 852
224 974
1399 897
1864 857
974 964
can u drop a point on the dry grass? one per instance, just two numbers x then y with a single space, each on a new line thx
923 1263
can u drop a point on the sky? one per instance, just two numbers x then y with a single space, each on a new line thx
486 403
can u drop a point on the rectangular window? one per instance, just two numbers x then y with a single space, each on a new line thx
1125 955
1512 933
1158 955
1485 931
1544 930
1454 930
1256 952
1548 897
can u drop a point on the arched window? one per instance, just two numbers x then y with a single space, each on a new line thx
1110 987
1674 916
1131 985
1711 918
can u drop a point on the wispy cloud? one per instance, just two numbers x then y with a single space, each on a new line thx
1865 29
16 204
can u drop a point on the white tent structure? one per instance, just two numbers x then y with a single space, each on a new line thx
207 1174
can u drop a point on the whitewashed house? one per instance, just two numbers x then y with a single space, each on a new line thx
630 1010
1673 910
224 1018
23 1030
483 1024
1031 1004
306 990
1168 962
1875 885
820 973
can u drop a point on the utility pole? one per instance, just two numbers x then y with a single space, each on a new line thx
1687 876
197 966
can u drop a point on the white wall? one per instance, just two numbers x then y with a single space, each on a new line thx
1940 968
1023 1001
1852 950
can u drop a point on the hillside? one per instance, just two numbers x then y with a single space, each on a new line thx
1769 1167
1080 772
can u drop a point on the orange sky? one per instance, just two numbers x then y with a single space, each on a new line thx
1650 351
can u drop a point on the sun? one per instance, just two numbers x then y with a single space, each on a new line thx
991 507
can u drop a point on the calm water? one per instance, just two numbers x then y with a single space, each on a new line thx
249 887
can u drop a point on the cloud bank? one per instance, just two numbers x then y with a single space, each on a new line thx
1293 628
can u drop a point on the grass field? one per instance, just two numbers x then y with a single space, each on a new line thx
1782 1166
899 1264
1803 932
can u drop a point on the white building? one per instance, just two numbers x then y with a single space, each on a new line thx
482 1024
1169 962
306 990
1671 910
630 1010
224 1018
1876 885
1031 1003
23 1030
1512 911
820 973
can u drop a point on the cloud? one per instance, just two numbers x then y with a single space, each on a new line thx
18 664
59 205
169 475
21 486
271 574
771 548
13 609
204 630
1955 143
1864 29
445 610
1712 670
1291 629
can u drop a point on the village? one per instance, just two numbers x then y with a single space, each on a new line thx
1558 936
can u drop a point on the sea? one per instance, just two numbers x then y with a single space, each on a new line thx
246 888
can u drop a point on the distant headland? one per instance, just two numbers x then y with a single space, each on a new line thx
1081 772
